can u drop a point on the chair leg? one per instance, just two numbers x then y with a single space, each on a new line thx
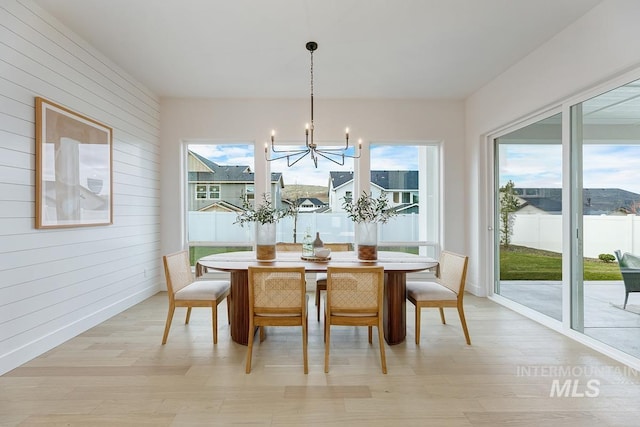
249 347
327 338
418 309
228 309
464 324
383 359
263 334
325 326
167 325
318 302
214 321
370 334
442 315
304 345
186 320
626 297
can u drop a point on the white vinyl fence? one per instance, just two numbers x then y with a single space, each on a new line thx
602 234
219 227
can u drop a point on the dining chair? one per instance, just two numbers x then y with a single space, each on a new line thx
288 247
185 291
321 278
277 297
446 291
354 298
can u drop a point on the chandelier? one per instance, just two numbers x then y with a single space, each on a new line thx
336 155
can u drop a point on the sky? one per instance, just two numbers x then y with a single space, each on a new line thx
304 173
605 166
527 165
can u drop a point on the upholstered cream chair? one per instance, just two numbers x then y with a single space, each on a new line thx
354 298
321 278
446 291
277 297
184 291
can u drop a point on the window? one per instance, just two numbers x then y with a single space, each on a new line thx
214 192
215 184
207 192
214 203
250 191
409 173
330 183
201 191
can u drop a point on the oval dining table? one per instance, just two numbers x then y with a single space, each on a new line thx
396 266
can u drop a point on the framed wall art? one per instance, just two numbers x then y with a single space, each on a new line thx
73 168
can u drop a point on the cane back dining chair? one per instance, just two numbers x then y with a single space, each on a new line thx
321 278
184 291
446 291
277 297
354 298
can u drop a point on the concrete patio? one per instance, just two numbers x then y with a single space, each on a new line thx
604 318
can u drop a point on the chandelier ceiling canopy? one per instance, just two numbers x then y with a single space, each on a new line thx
336 155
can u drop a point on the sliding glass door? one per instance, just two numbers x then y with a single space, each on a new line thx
606 137
528 224
566 200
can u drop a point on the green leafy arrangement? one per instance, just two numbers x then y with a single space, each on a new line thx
264 213
369 209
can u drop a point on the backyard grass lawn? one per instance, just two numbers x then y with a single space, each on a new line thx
522 263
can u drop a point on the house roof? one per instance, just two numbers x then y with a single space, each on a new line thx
395 180
595 201
339 178
406 208
315 201
223 204
225 173
387 180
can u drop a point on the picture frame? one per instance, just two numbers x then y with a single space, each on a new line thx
74 174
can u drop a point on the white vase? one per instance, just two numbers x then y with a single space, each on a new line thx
367 241
265 241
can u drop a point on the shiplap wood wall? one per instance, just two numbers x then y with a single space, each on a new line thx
57 283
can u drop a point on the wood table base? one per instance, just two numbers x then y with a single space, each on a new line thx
240 306
394 320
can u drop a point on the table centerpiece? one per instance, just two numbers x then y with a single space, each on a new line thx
367 212
264 217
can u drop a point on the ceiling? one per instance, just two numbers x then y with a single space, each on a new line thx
366 48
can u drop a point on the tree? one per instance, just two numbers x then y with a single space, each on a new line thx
509 203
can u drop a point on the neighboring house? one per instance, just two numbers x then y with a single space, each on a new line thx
401 188
219 188
595 201
310 204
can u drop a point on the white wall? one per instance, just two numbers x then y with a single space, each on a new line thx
601 45
252 120
55 284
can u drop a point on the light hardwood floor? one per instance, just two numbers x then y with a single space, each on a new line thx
118 374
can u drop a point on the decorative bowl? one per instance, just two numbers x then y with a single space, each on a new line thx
322 252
